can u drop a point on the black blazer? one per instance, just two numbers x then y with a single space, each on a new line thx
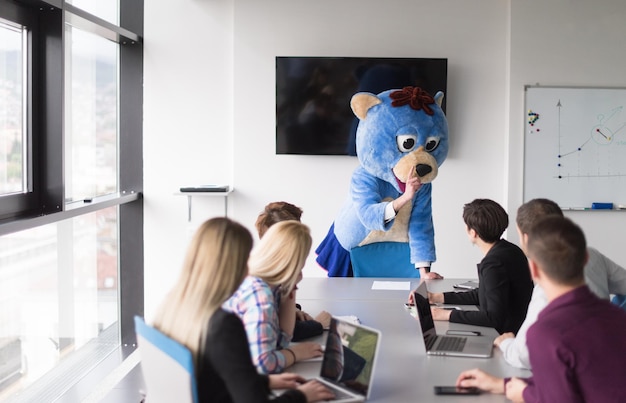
504 291
225 371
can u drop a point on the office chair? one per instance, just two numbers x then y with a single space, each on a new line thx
619 300
167 366
383 259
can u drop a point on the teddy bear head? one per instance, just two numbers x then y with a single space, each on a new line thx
401 133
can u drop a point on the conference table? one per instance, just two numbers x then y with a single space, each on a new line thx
403 371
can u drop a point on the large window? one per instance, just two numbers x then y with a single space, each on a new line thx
91 129
58 291
71 212
105 9
13 110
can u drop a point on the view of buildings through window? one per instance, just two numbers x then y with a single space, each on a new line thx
12 108
59 296
91 116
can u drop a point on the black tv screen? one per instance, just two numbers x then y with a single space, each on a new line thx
313 114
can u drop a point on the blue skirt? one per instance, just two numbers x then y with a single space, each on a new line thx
332 257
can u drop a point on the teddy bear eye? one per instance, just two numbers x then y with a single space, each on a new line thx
406 142
431 144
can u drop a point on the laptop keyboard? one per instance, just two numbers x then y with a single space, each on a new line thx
448 343
339 393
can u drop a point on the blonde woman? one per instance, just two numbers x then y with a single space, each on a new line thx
306 326
215 265
265 301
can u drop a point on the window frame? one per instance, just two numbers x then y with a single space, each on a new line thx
24 203
45 202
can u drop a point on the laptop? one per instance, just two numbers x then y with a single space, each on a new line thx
349 360
455 346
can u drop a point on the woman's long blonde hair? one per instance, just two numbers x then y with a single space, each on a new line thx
281 254
214 267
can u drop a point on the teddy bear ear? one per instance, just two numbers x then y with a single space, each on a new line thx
439 98
362 102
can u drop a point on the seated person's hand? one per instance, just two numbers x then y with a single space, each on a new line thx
435 298
315 391
515 390
411 299
301 315
481 380
306 350
503 336
441 314
285 381
323 318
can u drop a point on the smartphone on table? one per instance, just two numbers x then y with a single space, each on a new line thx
468 285
456 390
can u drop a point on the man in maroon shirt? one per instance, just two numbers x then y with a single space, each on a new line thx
576 347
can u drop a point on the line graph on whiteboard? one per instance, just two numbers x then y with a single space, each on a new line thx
575 142
583 148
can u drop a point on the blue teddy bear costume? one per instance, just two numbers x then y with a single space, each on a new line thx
401 133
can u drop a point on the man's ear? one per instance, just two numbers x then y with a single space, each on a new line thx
535 273
523 240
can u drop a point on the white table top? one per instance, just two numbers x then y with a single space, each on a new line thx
403 373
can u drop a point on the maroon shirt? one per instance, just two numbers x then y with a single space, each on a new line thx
577 350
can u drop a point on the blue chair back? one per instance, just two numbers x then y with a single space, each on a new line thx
619 300
383 259
167 366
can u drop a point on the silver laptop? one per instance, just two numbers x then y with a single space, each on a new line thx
457 346
349 360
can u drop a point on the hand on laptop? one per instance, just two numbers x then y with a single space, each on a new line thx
315 391
285 380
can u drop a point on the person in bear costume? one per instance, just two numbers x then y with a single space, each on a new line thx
401 140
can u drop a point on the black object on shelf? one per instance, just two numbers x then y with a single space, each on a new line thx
205 188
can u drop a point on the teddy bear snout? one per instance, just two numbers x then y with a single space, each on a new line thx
423 169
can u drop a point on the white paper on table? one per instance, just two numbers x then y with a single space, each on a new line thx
391 285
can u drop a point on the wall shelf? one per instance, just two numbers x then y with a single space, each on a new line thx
190 195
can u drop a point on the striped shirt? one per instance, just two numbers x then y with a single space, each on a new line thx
257 306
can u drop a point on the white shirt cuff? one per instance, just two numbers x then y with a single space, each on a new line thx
390 213
504 344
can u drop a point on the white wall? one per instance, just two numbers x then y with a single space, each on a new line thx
210 96
187 125
567 43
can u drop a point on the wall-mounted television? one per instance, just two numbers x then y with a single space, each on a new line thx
313 114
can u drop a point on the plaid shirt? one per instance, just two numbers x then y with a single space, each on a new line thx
257 306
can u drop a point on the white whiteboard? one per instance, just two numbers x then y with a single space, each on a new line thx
575 145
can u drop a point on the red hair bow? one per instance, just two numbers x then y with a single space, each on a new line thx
415 97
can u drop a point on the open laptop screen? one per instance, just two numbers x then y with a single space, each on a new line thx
425 315
349 356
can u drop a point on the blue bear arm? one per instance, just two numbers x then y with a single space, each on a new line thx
367 193
421 230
